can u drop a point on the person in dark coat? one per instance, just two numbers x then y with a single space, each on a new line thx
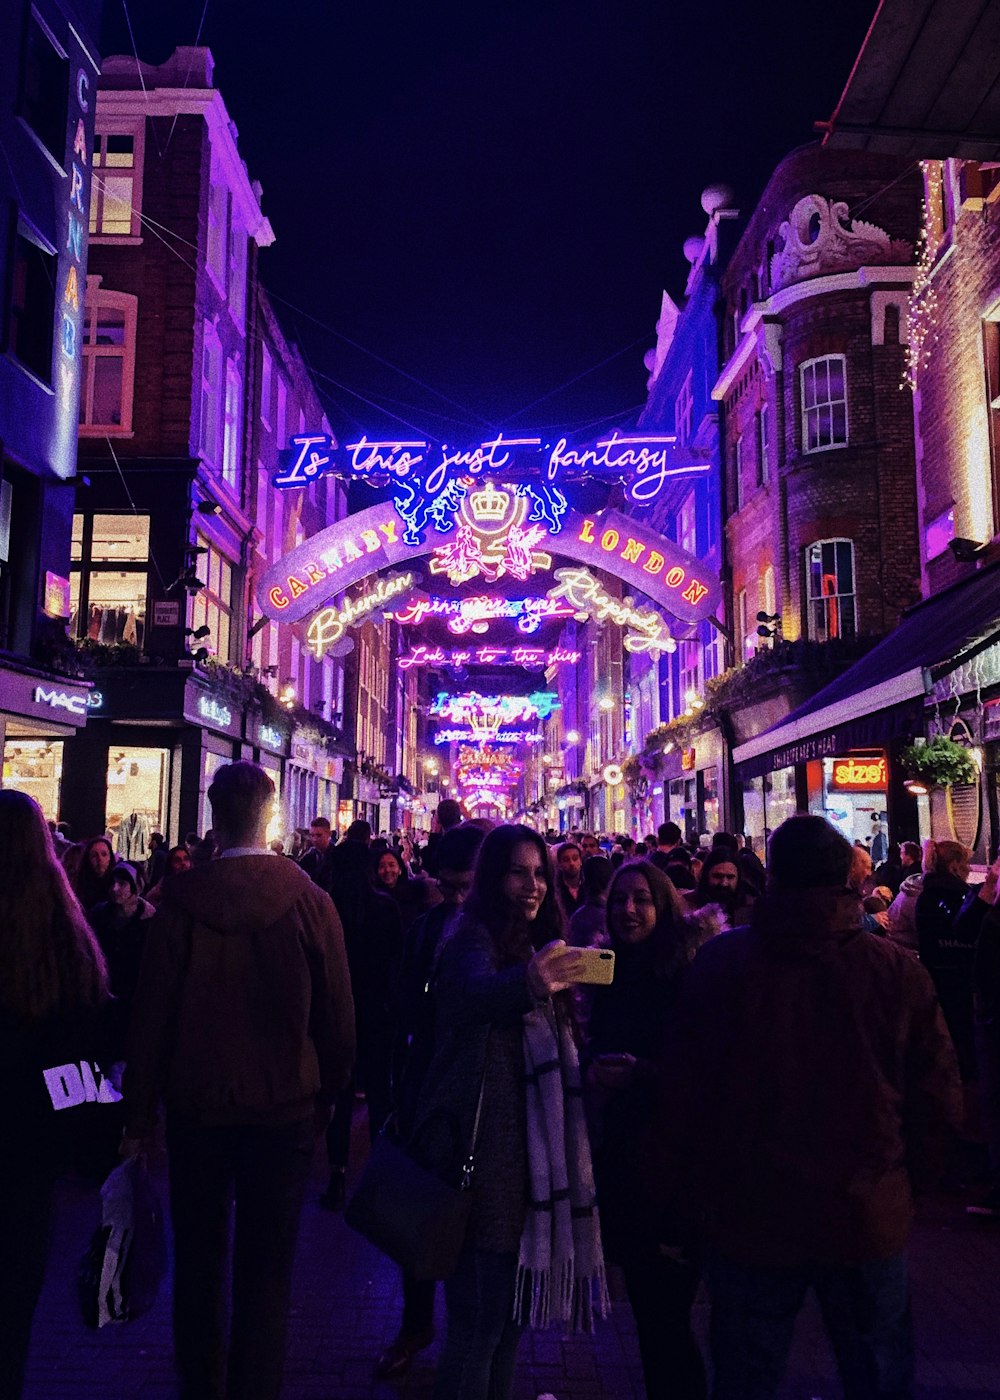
814 1086
244 1027
949 953
315 859
414 1048
497 974
373 934
653 946
120 923
413 895
56 1043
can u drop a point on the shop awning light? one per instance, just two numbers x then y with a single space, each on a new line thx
915 787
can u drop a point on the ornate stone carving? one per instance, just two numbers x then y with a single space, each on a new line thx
820 237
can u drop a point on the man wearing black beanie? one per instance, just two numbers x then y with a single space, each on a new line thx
814 1086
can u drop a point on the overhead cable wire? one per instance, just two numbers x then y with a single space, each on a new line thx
187 75
138 69
639 340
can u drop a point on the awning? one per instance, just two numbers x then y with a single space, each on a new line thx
880 697
926 83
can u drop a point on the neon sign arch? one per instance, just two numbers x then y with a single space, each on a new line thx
371 541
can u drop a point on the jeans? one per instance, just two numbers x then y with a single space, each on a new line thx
660 1292
263 1171
480 1345
375 1072
25 1212
866 1313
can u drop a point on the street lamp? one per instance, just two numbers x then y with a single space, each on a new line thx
572 737
605 703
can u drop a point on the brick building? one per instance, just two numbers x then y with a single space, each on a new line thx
820 495
190 390
941 667
47 88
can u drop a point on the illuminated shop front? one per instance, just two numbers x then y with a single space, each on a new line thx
148 756
852 792
38 714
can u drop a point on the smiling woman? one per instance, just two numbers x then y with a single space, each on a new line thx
504 1042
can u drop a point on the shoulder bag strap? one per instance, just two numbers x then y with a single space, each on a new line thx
469 1165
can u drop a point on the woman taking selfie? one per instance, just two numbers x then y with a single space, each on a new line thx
53 1025
653 940
501 1019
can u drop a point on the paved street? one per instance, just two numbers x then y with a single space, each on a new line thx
347 1303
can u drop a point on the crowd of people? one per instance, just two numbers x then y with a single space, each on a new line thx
777 1064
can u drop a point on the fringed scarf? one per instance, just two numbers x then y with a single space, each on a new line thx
560 1274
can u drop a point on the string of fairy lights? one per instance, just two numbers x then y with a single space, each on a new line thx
923 305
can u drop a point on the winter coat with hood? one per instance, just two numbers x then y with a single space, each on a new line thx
903 912
243 1014
812 1080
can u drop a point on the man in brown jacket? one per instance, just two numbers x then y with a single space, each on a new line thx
243 1023
813 1082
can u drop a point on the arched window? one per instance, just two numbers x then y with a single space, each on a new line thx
830 586
108 362
824 403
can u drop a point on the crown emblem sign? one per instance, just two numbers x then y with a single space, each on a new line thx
489 506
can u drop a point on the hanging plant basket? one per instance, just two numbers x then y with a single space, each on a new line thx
940 763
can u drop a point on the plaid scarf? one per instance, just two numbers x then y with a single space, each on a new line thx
560 1259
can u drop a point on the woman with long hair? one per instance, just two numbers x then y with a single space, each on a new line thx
53 991
653 939
505 1047
93 880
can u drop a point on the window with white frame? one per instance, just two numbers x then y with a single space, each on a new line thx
824 403
211 384
763 445
213 606
116 189
690 676
687 534
684 412
217 252
830 586
108 378
738 473
231 423
265 387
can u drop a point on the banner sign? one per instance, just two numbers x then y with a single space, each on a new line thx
364 544
533 658
475 614
429 480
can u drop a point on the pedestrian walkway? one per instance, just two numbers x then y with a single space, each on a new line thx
347 1306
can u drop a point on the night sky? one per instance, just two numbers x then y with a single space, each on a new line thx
490 196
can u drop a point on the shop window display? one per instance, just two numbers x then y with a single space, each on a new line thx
138 784
108 581
34 766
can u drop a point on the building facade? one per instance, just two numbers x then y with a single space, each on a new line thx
190 391
48 88
821 524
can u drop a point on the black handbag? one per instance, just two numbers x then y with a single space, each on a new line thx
412 1215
